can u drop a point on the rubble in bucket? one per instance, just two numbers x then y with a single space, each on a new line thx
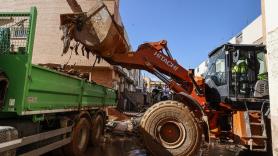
97 31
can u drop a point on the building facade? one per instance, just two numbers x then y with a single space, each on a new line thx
150 84
251 34
201 69
270 37
48 45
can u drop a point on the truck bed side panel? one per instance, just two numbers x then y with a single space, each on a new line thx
96 95
50 90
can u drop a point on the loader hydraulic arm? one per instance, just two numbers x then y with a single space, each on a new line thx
155 58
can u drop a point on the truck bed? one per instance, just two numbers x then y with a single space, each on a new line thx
51 91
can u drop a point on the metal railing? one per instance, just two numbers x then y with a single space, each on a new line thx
14 32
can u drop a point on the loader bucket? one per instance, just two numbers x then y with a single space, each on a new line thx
97 30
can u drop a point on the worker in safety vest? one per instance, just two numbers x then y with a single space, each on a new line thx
240 68
240 71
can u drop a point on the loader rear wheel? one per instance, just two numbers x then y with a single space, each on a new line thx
169 128
80 138
97 130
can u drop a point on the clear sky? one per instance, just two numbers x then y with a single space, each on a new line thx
191 27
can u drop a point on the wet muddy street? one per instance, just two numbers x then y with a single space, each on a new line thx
118 145
130 145
119 140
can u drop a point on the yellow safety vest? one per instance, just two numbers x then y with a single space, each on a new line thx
241 68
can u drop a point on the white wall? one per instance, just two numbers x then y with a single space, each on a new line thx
271 23
252 33
201 69
271 13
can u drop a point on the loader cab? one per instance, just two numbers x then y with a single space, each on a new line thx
237 72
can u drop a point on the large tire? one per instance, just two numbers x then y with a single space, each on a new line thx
169 128
80 139
97 130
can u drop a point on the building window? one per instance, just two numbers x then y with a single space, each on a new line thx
19 32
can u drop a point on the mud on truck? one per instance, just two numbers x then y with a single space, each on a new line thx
42 109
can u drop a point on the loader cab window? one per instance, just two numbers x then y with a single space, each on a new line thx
248 66
217 68
241 63
262 63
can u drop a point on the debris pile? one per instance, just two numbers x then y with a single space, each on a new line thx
96 30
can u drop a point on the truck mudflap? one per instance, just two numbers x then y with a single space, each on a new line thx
9 145
97 30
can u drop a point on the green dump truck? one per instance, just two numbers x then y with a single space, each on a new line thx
42 109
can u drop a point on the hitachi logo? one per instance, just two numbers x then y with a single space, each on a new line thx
166 61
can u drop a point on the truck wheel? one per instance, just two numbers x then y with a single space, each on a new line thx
80 138
97 130
169 128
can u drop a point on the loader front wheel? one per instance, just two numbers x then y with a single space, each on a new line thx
169 128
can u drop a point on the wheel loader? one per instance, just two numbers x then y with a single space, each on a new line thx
229 105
